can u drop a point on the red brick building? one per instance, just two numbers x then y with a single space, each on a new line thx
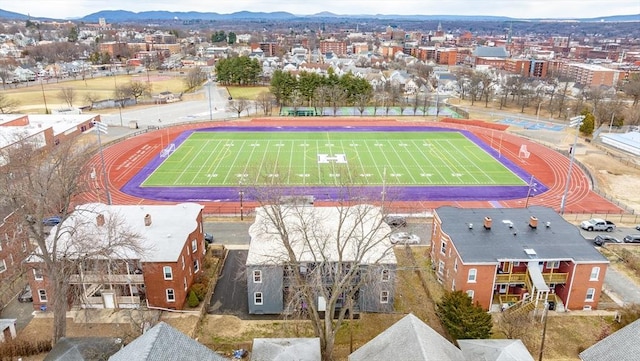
516 258
172 240
333 46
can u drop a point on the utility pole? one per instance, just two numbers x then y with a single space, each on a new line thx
577 122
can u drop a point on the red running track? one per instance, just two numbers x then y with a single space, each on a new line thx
125 158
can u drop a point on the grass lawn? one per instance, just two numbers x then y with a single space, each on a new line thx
327 158
247 92
31 99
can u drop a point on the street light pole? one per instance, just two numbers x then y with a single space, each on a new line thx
210 110
572 153
531 186
241 193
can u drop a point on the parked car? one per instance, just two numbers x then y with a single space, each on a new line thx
632 238
52 221
598 224
25 295
601 239
638 227
395 221
404 238
208 237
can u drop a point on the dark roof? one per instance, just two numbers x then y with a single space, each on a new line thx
84 349
163 342
510 235
623 345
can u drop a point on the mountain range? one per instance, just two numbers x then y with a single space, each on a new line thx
115 16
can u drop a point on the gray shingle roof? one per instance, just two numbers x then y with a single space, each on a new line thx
164 343
510 235
495 350
84 349
491 51
286 349
408 339
623 345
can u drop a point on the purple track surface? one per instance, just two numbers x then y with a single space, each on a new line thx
397 193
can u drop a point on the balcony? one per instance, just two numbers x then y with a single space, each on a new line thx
555 277
120 302
106 278
511 278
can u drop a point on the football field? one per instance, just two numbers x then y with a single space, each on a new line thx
322 158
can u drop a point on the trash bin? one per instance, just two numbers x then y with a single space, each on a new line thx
552 305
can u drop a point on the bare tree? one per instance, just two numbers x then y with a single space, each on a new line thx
137 89
194 78
7 104
67 95
265 101
362 100
239 105
39 182
337 257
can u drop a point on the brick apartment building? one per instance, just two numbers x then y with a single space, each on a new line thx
516 257
333 46
173 248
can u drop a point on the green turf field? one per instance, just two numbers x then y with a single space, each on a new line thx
328 159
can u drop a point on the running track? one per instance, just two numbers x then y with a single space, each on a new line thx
124 159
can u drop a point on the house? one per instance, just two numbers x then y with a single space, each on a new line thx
516 257
408 339
14 247
352 241
495 350
164 343
286 349
7 329
159 272
84 349
622 345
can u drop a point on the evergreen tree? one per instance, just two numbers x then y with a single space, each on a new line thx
192 300
462 318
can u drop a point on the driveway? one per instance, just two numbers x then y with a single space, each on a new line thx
622 286
230 294
22 312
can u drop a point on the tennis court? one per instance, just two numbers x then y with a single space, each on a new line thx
303 158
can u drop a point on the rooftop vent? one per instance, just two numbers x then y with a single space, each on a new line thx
100 220
533 222
487 222
147 220
548 224
470 225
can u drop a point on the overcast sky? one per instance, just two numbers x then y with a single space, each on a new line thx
513 8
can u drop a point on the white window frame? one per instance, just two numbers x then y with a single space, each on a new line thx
257 276
453 285
455 265
590 295
183 264
384 296
258 298
553 264
516 264
595 274
386 275
472 276
184 283
194 245
37 272
171 295
42 295
196 266
443 247
470 294
3 266
441 267
165 273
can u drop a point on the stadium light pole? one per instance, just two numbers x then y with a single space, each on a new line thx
572 152
209 91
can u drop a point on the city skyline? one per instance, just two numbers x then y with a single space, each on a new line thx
68 9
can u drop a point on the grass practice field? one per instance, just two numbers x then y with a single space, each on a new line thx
300 158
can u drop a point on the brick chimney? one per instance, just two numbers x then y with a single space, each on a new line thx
533 222
100 220
487 222
147 220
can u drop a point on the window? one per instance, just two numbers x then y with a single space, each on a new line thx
441 267
3 266
455 265
473 273
257 276
443 247
168 273
591 293
453 285
257 298
171 295
384 297
43 295
553 264
470 294
595 273
194 245
196 266
516 264
184 283
183 265
385 275
37 274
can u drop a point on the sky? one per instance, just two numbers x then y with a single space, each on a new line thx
64 9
